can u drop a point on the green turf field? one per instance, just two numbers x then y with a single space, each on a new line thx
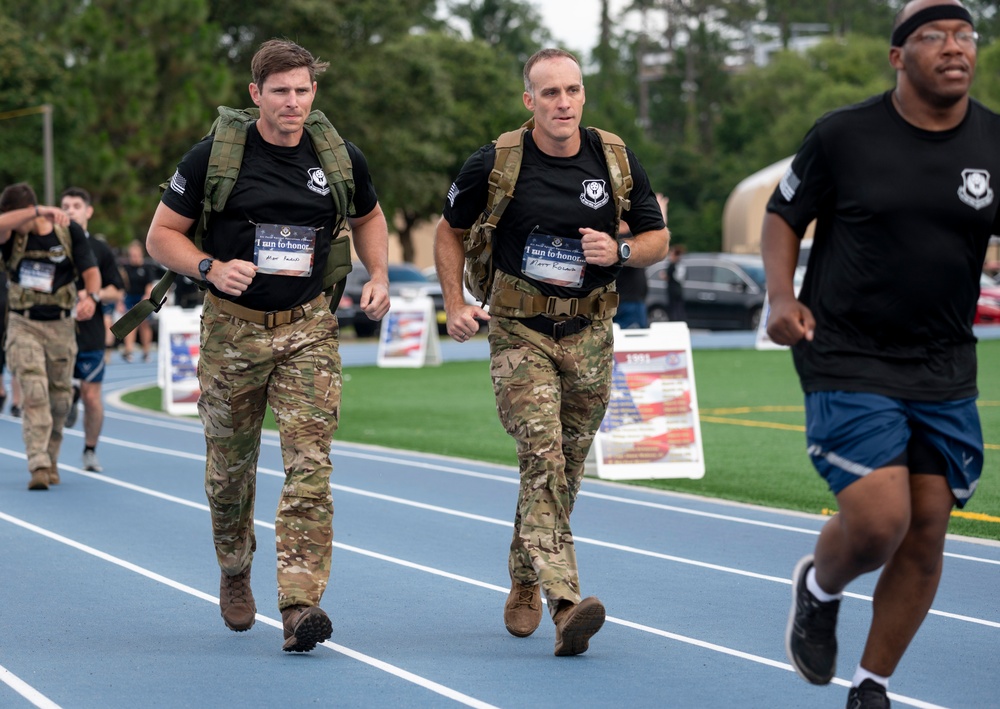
752 424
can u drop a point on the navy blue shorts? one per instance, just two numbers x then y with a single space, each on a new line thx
850 434
89 366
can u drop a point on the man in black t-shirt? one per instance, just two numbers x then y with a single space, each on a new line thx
555 251
91 335
139 278
268 335
632 289
903 190
45 253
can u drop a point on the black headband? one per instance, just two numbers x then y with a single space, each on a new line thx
928 14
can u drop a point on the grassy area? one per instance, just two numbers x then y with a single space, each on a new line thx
752 424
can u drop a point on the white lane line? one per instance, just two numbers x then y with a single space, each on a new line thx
676 637
505 523
176 585
416 679
26 690
506 479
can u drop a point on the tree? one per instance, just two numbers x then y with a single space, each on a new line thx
30 75
444 98
132 84
511 25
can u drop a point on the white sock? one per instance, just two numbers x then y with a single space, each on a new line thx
862 674
814 588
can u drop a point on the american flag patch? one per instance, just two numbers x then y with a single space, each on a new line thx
452 194
178 183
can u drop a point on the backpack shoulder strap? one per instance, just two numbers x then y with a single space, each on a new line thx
509 149
336 163
66 239
229 133
618 169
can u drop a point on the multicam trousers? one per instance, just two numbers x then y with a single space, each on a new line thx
41 354
551 397
295 368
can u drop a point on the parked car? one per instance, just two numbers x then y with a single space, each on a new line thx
988 305
721 291
404 279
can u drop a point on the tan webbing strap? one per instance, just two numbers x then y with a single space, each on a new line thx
268 318
619 170
517 304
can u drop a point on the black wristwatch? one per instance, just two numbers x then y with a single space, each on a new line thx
203 268
96 298
624 252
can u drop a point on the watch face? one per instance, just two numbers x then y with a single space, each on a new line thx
624 251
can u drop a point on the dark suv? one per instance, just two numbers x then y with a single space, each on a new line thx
721 291
403 278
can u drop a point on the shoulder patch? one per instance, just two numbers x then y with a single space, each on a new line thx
789 184
178 183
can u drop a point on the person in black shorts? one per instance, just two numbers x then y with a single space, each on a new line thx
139 278
902 187
91 335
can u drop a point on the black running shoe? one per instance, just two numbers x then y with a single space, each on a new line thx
810 638
868 695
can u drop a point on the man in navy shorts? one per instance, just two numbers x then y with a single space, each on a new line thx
886 354
91 335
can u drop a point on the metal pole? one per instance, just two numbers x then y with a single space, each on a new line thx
50 193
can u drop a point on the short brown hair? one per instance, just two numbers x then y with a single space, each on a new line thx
17 196
77 192
279 55
541 55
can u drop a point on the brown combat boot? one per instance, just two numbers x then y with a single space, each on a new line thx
39 479
305 626
523 610
577 624
236 601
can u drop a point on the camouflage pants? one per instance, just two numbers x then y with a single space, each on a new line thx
41 354
295 368
551 397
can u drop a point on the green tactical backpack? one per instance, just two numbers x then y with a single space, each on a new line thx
478 239
230 131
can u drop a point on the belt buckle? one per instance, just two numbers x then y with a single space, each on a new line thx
559 330
552 306
270 319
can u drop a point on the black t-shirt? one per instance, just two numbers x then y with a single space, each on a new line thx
277 185
90 333
553 198
904 218
137 277
65 268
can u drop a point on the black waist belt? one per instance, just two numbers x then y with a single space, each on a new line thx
43 317
556 329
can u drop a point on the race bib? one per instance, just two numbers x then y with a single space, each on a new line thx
555 260
36 275
284 250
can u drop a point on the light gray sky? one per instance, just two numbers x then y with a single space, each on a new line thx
575 23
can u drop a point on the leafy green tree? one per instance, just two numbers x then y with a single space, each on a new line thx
30 75
443 99
511 25
154 58
131 81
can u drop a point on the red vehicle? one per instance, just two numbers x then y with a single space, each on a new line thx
988 306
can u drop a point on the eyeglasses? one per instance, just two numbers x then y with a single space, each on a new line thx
937 38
